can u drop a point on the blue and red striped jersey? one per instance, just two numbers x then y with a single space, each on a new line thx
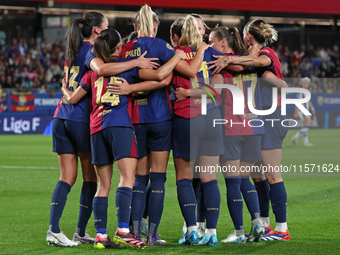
191 107
275 68
79 112
242 124
150 106
108 109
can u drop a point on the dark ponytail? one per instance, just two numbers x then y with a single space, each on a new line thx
74 40
233 38
236 42
78 30
106 44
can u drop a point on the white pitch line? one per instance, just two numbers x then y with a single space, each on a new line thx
31 167
34 158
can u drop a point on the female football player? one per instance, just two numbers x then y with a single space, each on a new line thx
257 34
70 132
242 142
194 136
305 120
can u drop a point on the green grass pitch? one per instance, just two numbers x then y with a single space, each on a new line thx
29 171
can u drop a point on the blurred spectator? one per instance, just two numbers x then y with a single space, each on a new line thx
29 65
2 38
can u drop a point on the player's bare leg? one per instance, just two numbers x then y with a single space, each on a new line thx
68 164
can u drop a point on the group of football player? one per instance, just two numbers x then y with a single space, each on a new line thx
117 107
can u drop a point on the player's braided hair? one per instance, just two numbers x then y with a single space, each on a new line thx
190 34
77 31
145 20
233 38
263 32
106 44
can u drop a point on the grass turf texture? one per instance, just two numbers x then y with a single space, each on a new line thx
29 172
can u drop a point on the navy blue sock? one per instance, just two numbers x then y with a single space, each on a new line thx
58 202
197 185
147 191
99 206
234 201
157 181
138 201
187 201
123 205
278 197
212 202
263 188
85 209
250 197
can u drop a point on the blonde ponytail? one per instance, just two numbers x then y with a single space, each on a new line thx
268 32
145 20
190 34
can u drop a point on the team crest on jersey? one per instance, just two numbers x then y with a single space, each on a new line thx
169 46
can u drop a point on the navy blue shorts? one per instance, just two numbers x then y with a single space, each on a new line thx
181 137
113 143
197 137
70 136
153 137
274 135
247 148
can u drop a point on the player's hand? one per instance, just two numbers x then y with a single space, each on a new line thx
181 54
120 88
64 83
181 94
296 116
254 50
143 62
219 64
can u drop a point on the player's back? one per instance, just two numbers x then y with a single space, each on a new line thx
191 107
150 106
107 109
80 111
267 87
247 79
